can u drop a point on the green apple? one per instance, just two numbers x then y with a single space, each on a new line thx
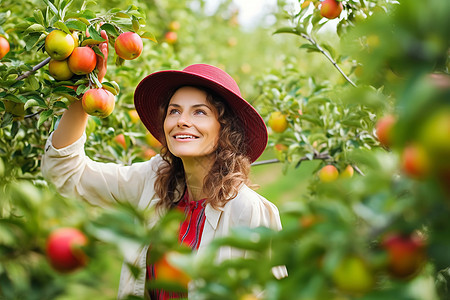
352 275
59 45
59 69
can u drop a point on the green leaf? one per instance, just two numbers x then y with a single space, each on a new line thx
14 98
76 25
94 79
44 116
31 103
32 40
121 14
98 52
7 119
62 26
135 23
148 35
34 28
82 89
94 34
310 48
110 29
287 30
51 6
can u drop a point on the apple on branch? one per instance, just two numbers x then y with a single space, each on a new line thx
4 47
128 45
98 102
64 249
59 45
83 60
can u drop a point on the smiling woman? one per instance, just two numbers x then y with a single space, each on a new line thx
209 134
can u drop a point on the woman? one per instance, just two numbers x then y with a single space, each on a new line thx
210 135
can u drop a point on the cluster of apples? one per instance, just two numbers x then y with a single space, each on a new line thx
405 257
68 59
428 153
4 47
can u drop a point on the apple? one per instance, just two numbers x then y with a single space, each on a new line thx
120 139
278 122
59 69
331 9
384 129
174 25
64 249
133 116
434 134
415 161
305 4
166 271
348 172
152 141
128 45
4 47
82 60
171 37
328 173
148 153
98 102
353 275
59 45
406 254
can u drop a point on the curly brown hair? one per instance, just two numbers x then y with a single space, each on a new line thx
229 170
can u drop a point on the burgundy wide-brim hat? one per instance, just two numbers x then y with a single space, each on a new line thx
158 86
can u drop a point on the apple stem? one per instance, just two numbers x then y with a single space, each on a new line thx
313 42
35 68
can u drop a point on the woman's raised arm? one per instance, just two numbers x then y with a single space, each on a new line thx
73 122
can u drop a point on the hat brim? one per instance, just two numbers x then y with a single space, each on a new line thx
156 87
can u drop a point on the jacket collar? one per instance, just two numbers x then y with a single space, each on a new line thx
212 215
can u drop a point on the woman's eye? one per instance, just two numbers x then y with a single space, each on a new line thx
200 112
173 111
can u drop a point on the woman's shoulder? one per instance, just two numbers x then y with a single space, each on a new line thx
250 199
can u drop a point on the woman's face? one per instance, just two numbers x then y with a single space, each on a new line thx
191 125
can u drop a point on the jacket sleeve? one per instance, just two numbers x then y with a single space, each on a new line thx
75 174
254 211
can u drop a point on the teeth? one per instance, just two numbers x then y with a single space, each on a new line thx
184 136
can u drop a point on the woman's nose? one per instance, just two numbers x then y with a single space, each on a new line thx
184 121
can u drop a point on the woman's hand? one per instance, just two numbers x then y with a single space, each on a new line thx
102 61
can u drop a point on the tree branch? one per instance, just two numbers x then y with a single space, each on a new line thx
35 68
328 56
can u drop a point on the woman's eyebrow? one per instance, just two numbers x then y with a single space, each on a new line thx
194 106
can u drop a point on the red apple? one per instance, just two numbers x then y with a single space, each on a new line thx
4 47
328 173
148 153
166 271
59 45
384 129
331 9
59 69
128 45
406 254
120 139
64 249
171 37
98 102
415 161
82 60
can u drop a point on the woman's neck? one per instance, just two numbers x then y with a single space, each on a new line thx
195 170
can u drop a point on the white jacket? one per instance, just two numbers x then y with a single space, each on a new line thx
101 184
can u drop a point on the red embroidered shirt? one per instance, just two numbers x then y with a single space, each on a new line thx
190 234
